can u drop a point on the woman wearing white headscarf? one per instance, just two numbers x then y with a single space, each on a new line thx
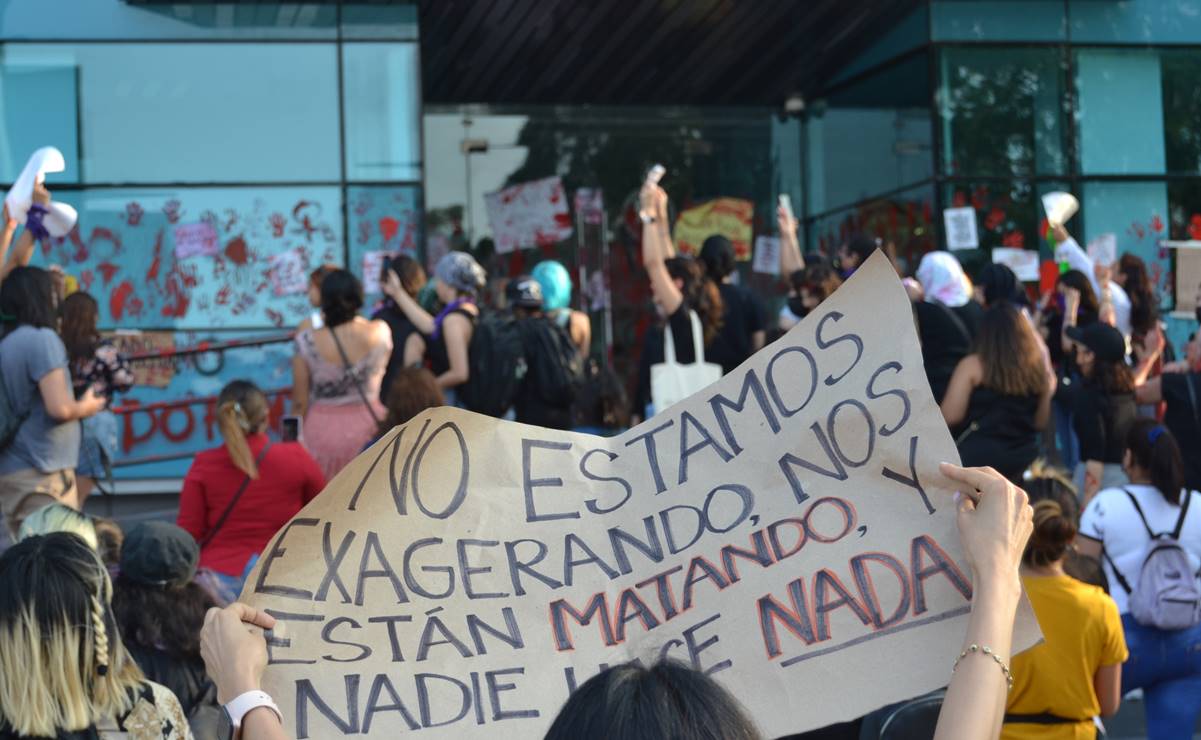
943 280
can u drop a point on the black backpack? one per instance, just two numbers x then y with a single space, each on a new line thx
555 369
497 363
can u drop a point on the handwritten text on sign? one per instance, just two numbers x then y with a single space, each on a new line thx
784 530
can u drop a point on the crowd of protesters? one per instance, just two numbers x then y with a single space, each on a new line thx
1073 396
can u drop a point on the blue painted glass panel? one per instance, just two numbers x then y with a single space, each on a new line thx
998 20
35 20
383 100
1136 21
171 113
1119 111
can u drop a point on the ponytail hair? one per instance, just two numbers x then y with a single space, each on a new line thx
241 411
1053 534
1154 449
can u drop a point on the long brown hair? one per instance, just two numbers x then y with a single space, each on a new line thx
701 294
1009 352
241 410
80 313
413 390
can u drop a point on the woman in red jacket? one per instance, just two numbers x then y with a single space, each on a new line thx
235 497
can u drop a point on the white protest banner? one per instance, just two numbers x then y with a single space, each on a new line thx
960 226
1060 207
767 255
60 217
373 264
528 215
1023 262
1104 249
198 239
786 530
287 273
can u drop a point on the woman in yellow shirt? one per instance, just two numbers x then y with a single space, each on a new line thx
1075 675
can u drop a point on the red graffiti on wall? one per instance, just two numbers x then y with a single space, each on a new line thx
236 251
133 213
177 424
117 299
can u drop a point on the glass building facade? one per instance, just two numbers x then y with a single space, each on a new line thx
216 153
994 103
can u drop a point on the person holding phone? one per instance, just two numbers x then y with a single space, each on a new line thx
236 496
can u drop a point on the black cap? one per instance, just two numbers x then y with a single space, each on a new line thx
1104 341
159 554
524 291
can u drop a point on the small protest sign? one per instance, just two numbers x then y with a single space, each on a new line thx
728 217
785 530
196 240
960 226
1023 262
532 214
287 273
767 255
155 373
1103 250
590 205
373 264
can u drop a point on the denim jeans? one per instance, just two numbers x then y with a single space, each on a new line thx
1167 667
1065 435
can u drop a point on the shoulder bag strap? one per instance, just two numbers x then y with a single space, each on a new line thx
1139 509
354 378
1117 573
698 337
669 344
1188 496
233 501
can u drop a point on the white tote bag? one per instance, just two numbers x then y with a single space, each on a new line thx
672 382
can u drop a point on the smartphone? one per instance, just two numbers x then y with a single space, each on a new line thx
290 428
653 176
786 204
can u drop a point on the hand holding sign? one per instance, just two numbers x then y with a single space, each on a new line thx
59 218
785 530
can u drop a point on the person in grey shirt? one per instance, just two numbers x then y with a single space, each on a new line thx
37 467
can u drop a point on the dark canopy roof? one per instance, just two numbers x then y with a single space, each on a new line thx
689 52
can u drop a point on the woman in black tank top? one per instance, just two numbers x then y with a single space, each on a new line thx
999 396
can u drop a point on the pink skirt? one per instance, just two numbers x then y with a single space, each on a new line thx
336 433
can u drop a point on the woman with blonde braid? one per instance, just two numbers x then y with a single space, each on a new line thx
235 497
64 672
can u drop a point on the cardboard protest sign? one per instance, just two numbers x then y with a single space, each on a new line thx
784 530
156 373
531 214
729 217
960 225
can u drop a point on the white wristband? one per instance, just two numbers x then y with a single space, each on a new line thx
240 706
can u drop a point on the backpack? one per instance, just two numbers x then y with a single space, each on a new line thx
1167 595
497 364
555 369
